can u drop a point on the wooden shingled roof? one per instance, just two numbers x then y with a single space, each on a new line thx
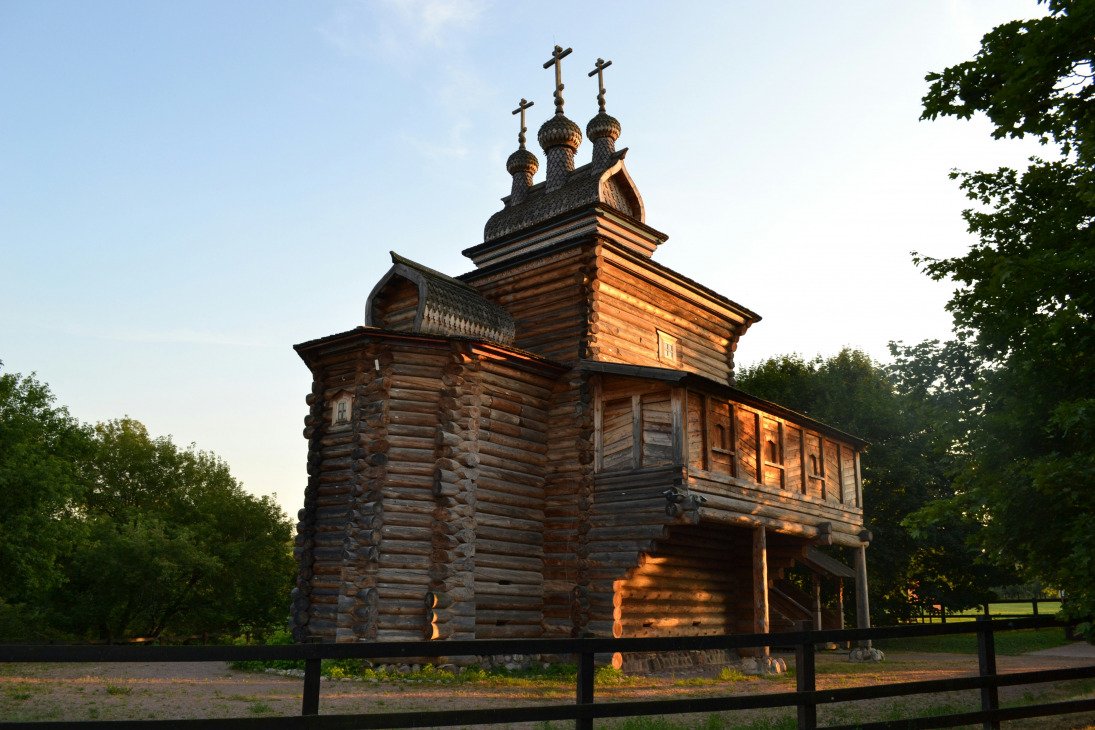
446 306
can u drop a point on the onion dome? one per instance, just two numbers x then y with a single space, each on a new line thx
559 131
603 125
522 161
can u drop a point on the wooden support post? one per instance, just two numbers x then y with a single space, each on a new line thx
310 698
986 664
840 601
840 604
805 679
1034 604
862 605
816 608
760 584
585 688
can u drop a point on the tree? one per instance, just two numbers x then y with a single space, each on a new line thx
174 543
110 532
41 448
905 468
1025 304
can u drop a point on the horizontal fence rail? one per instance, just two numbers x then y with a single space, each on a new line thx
806 697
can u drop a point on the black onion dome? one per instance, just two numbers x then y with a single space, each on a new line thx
559 131
603 125
522 161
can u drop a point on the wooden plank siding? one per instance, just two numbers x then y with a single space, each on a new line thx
741 458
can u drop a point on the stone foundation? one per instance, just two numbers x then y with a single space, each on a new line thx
664 661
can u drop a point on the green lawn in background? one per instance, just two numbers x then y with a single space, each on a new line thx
1009 643
997 610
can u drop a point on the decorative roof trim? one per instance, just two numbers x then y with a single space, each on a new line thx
582 186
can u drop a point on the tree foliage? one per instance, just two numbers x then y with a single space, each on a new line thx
113 533
906 467
1025 301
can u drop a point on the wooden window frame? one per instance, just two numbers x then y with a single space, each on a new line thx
664 338
780 445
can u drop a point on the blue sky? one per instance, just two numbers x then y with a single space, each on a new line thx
187 189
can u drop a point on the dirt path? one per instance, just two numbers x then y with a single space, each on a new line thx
162 691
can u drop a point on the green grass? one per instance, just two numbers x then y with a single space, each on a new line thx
1009 643
114 689
355 668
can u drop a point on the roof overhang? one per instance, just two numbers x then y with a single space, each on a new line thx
313 351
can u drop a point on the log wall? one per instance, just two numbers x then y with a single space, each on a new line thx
549 300
568 496
697 582
424 515
631 301
513 467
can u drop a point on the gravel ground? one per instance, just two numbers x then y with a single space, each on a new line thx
209 689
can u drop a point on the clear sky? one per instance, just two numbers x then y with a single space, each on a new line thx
187 189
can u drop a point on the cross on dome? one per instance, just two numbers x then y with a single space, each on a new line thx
557 57
601 65
521 110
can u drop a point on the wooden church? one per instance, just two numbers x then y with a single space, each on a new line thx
552 444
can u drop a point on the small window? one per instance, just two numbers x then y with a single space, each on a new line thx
720 436
813 465
341 409
773 452
668 349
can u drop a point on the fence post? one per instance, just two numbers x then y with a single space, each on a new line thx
986 664
585 688
804 679
310 700
1035 604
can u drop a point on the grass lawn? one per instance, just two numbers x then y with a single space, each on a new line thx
1008 643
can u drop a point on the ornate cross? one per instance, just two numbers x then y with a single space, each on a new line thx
557 57
601 65
521 110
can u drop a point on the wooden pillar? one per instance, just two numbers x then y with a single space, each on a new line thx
840 604
760 584
817 602
862 606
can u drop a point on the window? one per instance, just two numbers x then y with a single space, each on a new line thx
773 452
720 437
668 349
341 409
813 465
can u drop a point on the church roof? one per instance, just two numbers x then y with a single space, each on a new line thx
446 306
584 185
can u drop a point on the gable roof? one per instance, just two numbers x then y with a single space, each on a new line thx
446 306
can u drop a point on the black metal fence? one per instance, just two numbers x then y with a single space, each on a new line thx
806 697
